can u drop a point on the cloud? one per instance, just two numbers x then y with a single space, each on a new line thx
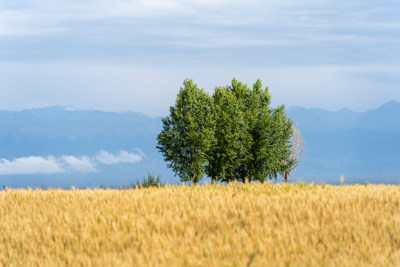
100 54
30 165
167 17
125 25
122 157
67 163
82 165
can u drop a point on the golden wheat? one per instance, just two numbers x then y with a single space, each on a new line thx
233 225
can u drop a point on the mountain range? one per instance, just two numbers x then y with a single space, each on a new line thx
62 147
359 145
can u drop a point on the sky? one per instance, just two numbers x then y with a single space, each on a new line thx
133 55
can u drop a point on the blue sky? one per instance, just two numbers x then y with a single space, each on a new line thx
124 55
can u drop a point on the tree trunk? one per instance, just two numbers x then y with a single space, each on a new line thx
286 177
243 177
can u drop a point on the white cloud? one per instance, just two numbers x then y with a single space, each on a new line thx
67 50
52 165
82 165
141 153
123 156
202 24
50 17
30 165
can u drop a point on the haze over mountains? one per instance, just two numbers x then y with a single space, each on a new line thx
81 148
359 145
59 147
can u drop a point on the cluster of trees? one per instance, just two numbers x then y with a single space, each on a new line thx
231 135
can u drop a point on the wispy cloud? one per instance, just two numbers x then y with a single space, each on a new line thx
52 165
63 49
85 29
107 158
43 17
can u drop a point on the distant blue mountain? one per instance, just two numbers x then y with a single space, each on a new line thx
360 146
57 131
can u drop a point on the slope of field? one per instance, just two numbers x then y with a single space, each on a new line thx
234 225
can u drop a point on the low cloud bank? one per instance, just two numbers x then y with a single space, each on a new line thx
30 165
66 163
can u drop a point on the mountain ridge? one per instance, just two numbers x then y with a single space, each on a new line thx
357 144
381 119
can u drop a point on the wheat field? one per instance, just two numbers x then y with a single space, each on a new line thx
219 225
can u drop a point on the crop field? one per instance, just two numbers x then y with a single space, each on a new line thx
219 225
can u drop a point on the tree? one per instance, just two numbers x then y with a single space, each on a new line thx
188 133
297 149
233 135
261 130
265 140
283 131
229 123
243 95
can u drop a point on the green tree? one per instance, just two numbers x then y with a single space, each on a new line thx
234 135
242 95
225 150
261 132
188 133
280 132
265 138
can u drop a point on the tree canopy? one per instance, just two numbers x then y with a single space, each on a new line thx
187 133
231 135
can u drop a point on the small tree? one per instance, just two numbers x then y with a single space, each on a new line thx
297 149
187 133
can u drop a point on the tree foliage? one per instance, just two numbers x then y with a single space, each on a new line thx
226 149
187 133
233 135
